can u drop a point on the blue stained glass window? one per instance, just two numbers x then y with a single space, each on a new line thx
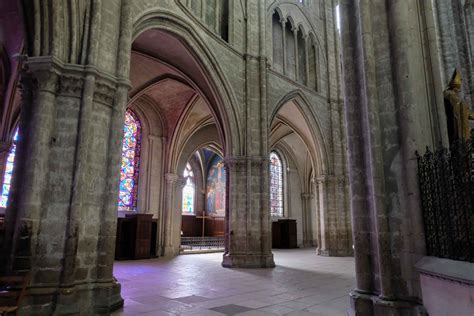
130 163
276 185
188 191
7 177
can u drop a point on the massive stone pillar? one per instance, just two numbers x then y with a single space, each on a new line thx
392 109
248 231
335 219
61 220
248 223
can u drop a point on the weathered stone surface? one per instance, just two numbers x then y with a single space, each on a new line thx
271 81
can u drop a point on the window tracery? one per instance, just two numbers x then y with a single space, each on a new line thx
276 185
130 163
7 176
188 191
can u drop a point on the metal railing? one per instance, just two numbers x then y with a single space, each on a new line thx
201 243
446 180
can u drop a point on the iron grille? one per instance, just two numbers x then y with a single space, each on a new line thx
201 243
446 181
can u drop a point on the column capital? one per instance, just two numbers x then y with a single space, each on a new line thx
321 179
171 178
307 196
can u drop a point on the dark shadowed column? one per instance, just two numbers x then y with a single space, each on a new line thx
390 105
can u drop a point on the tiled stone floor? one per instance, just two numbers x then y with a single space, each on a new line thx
301 284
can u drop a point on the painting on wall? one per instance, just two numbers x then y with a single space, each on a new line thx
215 193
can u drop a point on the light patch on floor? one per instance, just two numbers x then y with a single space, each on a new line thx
302 283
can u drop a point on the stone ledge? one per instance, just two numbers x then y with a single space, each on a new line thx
459 271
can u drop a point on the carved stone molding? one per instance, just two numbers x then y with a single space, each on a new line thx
234 161
71 85
46 80
320 180
104 93
51 74
342 179
171 178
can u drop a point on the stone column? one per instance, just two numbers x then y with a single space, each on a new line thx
315 223
323 235
283 27
317 70
202 204
306 60
248 231
297 71
217 16
248 220
203 10
61 229
306 202
389 113
174 185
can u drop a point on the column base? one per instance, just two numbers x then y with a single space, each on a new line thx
309 243
248 261
82 299
170 251
363 304
335 252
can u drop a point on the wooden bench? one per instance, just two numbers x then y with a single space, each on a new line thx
12 290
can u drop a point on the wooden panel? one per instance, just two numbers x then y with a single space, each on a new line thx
191 226
154 233
284 234
125 239
143 235
134 237
276 235
215 226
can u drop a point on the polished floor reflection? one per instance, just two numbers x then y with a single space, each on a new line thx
301 284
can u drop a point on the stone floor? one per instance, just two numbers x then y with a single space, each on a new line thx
301 284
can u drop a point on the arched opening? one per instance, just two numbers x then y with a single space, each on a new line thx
294 144
214 14
174 107
203 228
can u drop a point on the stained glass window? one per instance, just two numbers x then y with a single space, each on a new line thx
130 163
188 191
276 185
7 177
